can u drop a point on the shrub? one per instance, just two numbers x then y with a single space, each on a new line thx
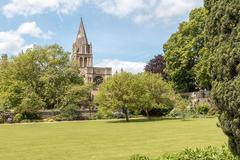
139 157
203 108
158 112
69 112
17 118
1 119
208 153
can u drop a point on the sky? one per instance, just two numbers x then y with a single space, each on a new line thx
124 33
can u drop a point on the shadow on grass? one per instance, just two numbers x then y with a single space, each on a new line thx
137 120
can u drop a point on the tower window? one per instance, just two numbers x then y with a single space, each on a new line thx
81 62
85 62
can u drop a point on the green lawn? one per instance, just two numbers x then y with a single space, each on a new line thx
104 140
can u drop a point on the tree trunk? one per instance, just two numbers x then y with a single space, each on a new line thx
90 112
125 111
147 114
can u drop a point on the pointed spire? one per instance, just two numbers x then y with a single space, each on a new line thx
81 36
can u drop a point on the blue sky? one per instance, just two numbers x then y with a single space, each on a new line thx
124 33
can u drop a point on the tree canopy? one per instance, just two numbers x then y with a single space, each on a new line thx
157 65
127 93
37 79
154 93
223 47
183 50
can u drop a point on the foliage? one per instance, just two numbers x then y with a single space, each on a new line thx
207 153
157 65
183 51
138 157
135 93
203 108
37 79
117 94
181 110
1 119
73 100
17 118
29 105
154 93
222 43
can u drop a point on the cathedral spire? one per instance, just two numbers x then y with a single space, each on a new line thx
81 36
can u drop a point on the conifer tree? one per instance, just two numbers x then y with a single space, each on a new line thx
223 46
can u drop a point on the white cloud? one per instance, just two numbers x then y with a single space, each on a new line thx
120 7
10 42
117 65
31 28
13 42
148 10
171 8
139 11
33 7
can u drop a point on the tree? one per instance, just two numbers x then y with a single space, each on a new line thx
37 79
117 94
157 65
154 93
136 93
183 51
75 98
223 47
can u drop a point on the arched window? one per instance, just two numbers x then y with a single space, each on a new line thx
85 62
81 62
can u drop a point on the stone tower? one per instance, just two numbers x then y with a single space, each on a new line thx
82 56
82 50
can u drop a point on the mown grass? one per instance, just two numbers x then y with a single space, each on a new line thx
105 139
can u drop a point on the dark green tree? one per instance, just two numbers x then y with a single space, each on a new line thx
223 46
183 51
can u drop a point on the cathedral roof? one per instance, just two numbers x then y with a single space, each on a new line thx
81 36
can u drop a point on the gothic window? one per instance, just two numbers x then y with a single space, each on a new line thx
88 49
85 62
81 62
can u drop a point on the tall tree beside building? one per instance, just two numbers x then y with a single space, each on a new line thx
37 79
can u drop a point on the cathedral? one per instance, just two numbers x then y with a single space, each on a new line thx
82 56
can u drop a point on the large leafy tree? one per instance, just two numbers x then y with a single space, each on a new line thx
117 94
154 93
223 46
157 65
183 51
142 92
37 79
